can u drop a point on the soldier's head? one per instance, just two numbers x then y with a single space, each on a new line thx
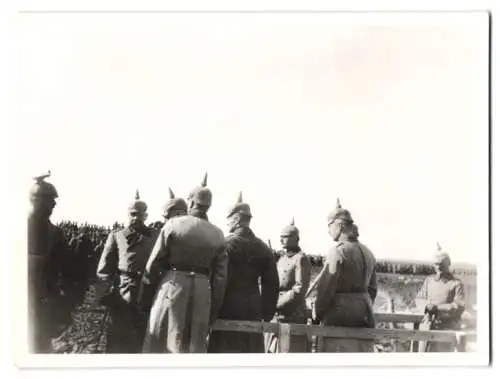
239 215
43 197
289 236
176 206
340 222
442 261
137 211
200 199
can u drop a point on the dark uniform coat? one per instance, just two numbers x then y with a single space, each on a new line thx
447 293
46 277
188 267
120 269
294 270
345 294
249 259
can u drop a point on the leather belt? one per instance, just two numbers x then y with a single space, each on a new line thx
197 270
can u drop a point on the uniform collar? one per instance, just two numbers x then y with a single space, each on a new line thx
443 275
243 231
291 252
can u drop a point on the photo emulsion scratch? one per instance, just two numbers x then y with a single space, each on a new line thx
255 183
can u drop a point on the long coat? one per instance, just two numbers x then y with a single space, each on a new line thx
447 293
345 294
250 260
47 253
187 269
119 272
294 270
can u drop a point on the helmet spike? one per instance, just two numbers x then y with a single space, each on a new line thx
338 203
41 178
240 198
204 182
171 193
137 197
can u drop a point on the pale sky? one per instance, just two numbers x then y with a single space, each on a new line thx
386 112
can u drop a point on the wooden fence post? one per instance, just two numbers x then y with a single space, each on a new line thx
414 344
283 337
461 343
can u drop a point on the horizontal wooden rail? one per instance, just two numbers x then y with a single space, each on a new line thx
339 332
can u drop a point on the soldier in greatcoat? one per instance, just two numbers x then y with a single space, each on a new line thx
47 269
347 286
119 272
443 296
294 270
185 279
250 261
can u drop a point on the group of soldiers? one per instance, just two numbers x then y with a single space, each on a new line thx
165 285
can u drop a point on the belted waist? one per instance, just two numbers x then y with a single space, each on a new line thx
132 274
189 269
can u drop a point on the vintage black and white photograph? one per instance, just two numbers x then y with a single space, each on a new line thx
259 184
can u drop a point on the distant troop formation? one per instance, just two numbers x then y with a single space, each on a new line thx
166 284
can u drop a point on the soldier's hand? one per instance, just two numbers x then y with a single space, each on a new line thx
431 309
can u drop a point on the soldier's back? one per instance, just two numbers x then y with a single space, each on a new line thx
358 264
195 241
248 258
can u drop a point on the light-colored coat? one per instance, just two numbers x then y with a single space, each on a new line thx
447 293
120 271
345 294
294 271
187 300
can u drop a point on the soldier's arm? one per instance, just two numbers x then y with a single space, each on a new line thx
218 282
270 288
302 279
421 298
327 284
108 263
372 286
457 306
153 266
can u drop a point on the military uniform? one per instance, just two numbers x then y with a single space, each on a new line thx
294 270
185 279
346 290
249 260
446 292
47 273
120 270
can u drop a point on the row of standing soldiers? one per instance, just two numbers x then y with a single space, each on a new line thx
165 287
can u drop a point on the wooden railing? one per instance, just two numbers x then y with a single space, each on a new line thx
283 330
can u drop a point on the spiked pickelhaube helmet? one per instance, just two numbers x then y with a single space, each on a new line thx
290 229
239 207
339 213
43 189
137 205
201 194
174 203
